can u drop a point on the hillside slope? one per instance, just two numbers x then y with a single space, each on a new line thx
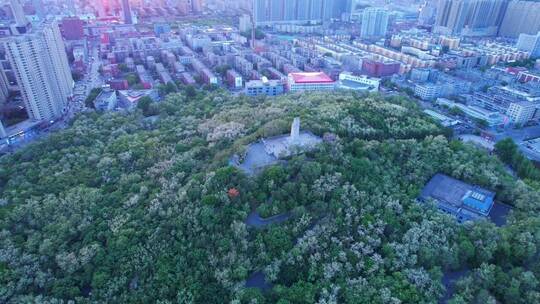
120 208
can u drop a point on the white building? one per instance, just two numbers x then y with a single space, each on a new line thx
521 112
264 87
348 81
39 62
493 118
427 91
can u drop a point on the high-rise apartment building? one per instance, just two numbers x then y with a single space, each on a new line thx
39 8
39 62
522 17
4 87
126 10
427 13
244 23
530 43
470 17
374 23
267 12
190 6
21 24
197 6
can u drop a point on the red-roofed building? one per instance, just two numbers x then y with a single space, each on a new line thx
312 81
516 70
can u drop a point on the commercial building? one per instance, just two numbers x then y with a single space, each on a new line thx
463 201
374 23
309 81
522 111
40 65
264 87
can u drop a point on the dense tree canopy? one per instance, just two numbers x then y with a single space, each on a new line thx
123 208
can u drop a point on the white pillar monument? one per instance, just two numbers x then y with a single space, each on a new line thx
295 130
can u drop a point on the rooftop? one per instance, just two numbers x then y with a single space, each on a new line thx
354 85
310 77
464 201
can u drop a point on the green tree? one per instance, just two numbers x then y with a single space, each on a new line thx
89 101
145 104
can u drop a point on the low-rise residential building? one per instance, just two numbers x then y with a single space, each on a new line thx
187 79
234 79
208 77
118 84
144 77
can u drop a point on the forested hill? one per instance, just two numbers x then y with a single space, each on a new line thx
122 208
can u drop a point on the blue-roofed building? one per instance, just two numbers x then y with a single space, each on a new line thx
162 28
464 201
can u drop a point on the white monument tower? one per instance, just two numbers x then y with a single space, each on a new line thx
3 132
295 130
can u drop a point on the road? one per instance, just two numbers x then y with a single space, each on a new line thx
82 88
